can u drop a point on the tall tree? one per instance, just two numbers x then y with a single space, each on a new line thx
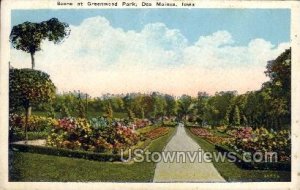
28 36
236 116
29 87
185 106
159 105
171 105
279 87
109 111
201 106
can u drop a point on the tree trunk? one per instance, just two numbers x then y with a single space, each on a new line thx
28 113
32 60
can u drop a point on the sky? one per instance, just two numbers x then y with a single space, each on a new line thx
174 51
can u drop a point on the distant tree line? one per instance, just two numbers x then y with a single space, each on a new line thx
269 107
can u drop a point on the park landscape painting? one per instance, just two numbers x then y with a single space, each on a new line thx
150 95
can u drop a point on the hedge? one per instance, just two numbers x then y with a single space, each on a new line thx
284 166
66 152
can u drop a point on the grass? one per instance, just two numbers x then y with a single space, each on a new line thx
38 167
232 173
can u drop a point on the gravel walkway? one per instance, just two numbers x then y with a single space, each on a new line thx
40 142
189 171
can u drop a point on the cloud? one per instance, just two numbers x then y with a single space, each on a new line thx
98 58
215 40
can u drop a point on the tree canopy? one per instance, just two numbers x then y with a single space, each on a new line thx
28 36
29 87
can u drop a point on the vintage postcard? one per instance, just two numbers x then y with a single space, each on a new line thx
174 94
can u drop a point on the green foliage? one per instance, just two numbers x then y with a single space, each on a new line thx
218 108
236 116
81 110
159 105
50 112
29 87
109 111
268 107
171 105
28 36
279 88
201 106
185 106
64 112
130 114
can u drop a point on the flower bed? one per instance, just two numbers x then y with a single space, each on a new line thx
246 140
218 140
222 129
79 134
201 132
38 127
156 133
141 123
261 140
207 135
245 164
35 123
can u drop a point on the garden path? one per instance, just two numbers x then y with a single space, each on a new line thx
39 142
189 171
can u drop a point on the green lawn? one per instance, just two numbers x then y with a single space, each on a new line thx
232 172
38 167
